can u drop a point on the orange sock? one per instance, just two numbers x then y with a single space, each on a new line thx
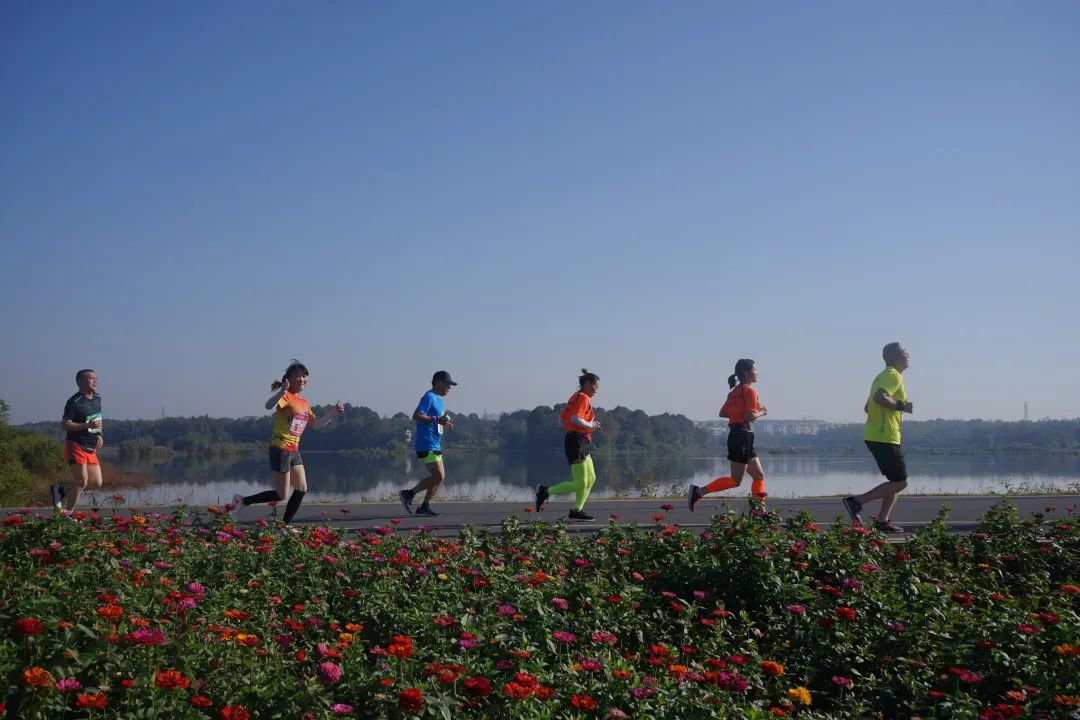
720 483
757 487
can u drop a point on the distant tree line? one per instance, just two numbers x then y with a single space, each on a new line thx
537 430
28 460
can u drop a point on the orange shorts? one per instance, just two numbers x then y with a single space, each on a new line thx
76 455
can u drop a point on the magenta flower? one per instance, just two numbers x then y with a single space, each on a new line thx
795 609
560 603
507 610
148 636
341 709
604 637
328 673
590 665
1027 629
842 681
68 684
563 636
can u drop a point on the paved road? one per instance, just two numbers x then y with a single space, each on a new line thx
911 513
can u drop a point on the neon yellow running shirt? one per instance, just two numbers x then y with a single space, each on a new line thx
883 424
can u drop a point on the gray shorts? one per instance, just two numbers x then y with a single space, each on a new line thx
281 461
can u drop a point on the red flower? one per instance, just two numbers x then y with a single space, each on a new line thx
92 701
847 613
200 701
411 700
478 686
583 702
27 627
233 712
170 680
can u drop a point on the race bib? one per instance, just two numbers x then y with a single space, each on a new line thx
299 422
91 418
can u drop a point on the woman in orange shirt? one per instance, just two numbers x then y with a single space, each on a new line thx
741 409
579 420
292 415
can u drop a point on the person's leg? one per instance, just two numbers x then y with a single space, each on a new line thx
298 480
93 476
888 502
432 482
587 484
77 479
757 476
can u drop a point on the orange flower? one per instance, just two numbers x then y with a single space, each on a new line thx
111 612
92 701
677 670
247 640
354 627
37 677
1067 650
772 668
1067 700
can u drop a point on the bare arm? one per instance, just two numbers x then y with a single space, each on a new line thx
273 401
328 417
759 413
72 426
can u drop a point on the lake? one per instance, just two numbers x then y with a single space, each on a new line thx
510 477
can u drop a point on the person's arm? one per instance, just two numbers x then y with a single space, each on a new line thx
756 410
326 419
885 400
69 425
276 397
581 422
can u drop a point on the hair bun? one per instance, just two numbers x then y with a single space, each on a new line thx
584 371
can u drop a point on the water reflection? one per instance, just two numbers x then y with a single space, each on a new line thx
510 477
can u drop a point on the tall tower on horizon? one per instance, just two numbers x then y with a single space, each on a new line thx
1025 411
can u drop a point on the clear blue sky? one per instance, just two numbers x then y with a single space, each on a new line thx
193 193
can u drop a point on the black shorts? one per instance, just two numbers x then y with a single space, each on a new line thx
740 445
890 460
576 447
281 461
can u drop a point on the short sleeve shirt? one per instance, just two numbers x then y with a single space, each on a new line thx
80 409
883 424
579 404
291 418
429 435
740 403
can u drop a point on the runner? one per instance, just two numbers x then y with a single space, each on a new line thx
291 417
578 419
741 408
884 409
82 423
431 422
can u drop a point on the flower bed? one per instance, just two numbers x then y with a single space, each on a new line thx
757 617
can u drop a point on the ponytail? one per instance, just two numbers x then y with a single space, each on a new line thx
742 367
295 368
587 377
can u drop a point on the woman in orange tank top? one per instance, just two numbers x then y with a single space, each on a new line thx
741 408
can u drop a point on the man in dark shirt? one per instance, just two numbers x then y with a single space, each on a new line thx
82 423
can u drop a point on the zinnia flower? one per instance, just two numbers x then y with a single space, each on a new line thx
328 673
411 700
799 695
27 627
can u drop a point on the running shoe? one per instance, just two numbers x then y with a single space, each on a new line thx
695 496
541 496
406 500
57 495
238 507
580 515
887 527
853 508
425 509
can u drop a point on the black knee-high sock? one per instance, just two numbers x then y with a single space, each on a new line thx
295 499
264 497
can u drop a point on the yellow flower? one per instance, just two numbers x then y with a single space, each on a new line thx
442 576
799 695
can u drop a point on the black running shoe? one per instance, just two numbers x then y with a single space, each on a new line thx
57 493
541 496
580 515
853 508
695 496
887 527
425 509
406 500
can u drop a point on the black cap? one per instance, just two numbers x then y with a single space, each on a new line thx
442 375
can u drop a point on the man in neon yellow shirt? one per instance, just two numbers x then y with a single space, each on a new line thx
884 410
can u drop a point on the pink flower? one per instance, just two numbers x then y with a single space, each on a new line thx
507 610
341 709
328 673
68 684
1027 629
148 636
560 603
795 609
590 665
563 636
842 681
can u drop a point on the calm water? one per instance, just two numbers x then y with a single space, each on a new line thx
504 476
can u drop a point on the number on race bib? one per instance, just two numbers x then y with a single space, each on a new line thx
299 422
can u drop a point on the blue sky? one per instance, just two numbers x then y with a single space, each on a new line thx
193 193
